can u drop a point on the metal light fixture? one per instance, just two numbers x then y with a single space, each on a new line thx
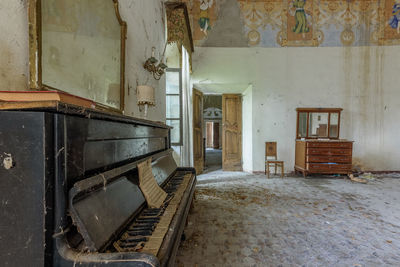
151 65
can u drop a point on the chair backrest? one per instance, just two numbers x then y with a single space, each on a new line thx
270 150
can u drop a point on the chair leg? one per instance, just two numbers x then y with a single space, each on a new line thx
275 168
283 168
268 169
265 168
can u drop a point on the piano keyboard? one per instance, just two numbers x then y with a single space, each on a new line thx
148 230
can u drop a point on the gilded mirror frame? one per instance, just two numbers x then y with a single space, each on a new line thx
35 52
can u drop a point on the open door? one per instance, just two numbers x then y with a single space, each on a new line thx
231 132
198 151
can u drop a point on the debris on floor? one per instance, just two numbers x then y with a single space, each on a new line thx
357 179
367 175
243 219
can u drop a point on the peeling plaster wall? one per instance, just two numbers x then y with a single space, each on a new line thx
229 29
364 81
146 28
14 52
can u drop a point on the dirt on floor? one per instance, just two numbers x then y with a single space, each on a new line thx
242 219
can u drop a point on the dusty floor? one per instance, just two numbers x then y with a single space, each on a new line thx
246 220
213 160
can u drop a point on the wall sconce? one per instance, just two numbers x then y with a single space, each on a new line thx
145 97
150 65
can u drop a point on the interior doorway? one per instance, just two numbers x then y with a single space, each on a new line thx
217 132
213 134
212 115
213 152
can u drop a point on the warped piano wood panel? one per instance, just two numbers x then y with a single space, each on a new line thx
70 196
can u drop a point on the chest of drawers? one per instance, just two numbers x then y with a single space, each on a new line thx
324 157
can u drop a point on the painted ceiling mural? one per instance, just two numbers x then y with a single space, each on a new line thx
276 23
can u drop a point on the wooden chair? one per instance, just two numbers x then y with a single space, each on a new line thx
271 151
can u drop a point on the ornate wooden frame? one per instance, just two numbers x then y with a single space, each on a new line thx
318 110
35 52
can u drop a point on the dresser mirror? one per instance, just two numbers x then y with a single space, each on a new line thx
78 47
318 123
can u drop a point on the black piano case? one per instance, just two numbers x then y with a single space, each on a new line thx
59 166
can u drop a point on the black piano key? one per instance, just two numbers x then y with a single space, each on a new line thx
139 233
152 210
127 245
150 214
147 220
135 228
144 222
142 227
132 246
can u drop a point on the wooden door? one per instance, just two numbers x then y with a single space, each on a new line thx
216 135
231 132
198 152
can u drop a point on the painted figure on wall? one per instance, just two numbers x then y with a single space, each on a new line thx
300 17
394 21
204 20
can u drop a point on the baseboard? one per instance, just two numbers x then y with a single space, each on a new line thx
284 174
248 171
292 173
380 172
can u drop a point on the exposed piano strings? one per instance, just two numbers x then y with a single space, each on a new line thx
147 232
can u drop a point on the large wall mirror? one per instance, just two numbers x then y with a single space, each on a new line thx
78 46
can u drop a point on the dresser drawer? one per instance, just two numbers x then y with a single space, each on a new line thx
328 151
330 144
332 168
327 159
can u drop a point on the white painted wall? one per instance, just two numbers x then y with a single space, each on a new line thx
146 28
364 81
247 129
14 52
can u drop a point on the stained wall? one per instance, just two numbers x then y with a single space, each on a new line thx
14 52
146 28
361 80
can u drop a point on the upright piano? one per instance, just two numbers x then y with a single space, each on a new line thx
69 189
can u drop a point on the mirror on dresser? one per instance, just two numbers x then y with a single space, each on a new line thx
318 122
319 149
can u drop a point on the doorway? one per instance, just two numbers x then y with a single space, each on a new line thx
217 132
212 116
213 153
